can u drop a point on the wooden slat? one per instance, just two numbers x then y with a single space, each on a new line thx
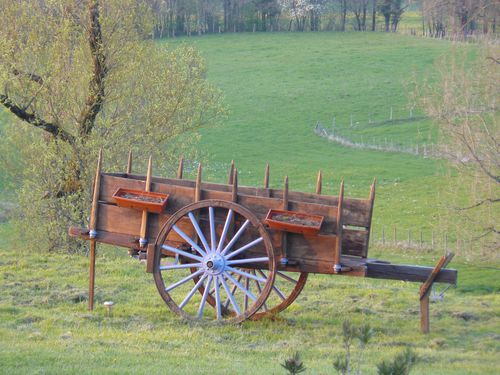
409 273
427 285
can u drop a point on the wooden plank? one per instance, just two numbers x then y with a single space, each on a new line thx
340 226
409 273
354 242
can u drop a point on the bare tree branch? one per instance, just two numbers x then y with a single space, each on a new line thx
480 203
95 98
33 119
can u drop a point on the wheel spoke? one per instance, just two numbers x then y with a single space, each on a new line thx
183 253
259 289
249 260
286 277
193 244
275 288
217 298
247 285
224 231
179 266
204 298
193 291
244 248
184 280
247 292
233 289
213 238
235 238
199 232
245 274
230 295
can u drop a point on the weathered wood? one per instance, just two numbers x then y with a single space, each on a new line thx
427 285
150 258
371 199
284 235
144 222
340 224
180 168
92 251
266 177
234 193
424 315
129 163
409 273
197 191
92 230
97 190
319 183
230 175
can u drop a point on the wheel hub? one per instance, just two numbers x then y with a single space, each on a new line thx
214 264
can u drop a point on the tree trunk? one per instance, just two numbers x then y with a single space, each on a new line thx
374 14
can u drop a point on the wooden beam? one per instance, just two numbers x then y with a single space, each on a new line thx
371 199
427 285
92 230
340 227
144 222
319 183
234 196
231 173
424 315
197 189
129 163
266 176
409 273
180 168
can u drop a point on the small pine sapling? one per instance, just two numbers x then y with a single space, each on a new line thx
294 365
400 365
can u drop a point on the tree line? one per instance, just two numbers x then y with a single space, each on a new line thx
439 18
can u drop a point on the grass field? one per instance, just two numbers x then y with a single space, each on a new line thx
276 86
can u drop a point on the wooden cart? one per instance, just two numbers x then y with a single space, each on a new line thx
229 252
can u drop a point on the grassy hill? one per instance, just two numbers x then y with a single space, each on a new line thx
277 86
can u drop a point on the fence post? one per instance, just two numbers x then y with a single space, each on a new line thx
383 235
409 237
445 242
432 240
421 238
351 120
395 237
390 116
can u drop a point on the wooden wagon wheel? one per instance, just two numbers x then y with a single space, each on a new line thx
191 236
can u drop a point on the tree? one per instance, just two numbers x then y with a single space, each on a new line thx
79 76
464 104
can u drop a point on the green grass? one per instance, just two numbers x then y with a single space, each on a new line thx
278 85
46 329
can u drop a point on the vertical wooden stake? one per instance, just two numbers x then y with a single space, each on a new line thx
234 196
144 222
180 168
129 162
92 230
231 173
371 199
266 177
338 245
424 315
319 183
284 237
197 189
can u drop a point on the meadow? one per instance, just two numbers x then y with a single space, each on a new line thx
277 86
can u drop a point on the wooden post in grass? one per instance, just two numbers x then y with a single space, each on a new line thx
92 230
230 175
266 177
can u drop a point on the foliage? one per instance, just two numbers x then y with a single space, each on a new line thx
294 365
400 365
81 77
